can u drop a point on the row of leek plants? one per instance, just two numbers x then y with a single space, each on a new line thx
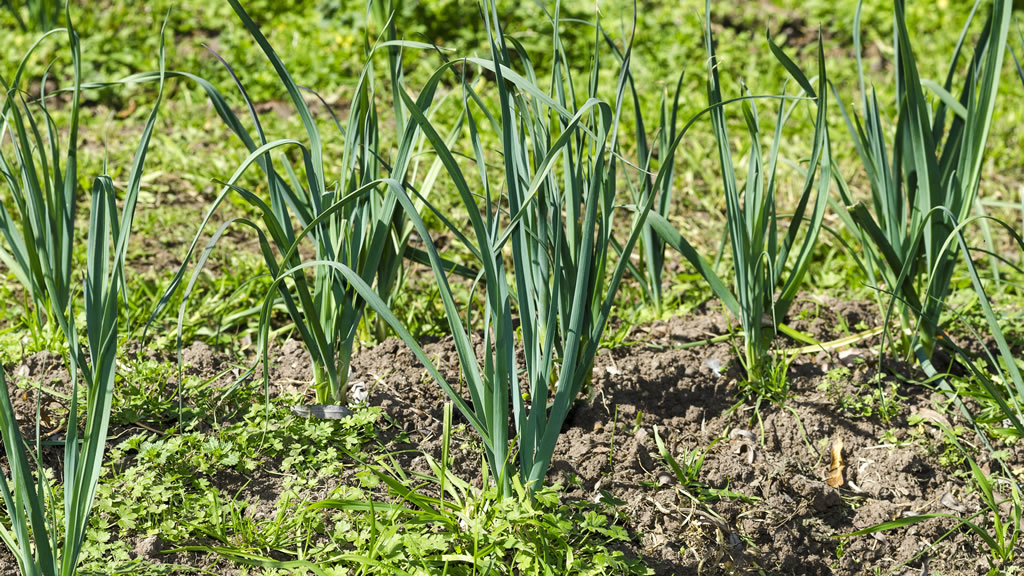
544 235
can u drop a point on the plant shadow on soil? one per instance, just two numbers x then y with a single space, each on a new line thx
759 502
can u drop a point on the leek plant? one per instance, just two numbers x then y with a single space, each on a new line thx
766 279
553 211
957 168
41 188
542 234
349 220
929 181
43 542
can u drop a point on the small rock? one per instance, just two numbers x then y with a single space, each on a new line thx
149 548
737 433
950 502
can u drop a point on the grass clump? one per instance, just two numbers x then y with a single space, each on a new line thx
453 527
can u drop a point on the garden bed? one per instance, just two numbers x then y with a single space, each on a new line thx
756 492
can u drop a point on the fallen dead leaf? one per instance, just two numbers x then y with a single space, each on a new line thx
127 111
835 471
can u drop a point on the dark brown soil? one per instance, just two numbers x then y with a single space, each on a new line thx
761 500
784 518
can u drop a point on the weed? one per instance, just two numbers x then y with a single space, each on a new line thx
875 398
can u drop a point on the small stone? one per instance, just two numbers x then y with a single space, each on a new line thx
664 479
737 433
149 548
950 502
